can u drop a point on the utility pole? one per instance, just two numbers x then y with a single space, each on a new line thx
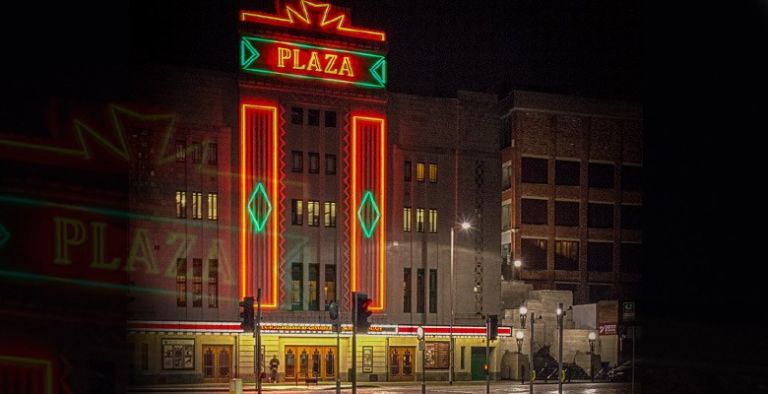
487 354
257 334
634 338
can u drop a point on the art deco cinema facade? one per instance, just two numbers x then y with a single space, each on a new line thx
313 182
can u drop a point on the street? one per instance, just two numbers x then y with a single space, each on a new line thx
498 387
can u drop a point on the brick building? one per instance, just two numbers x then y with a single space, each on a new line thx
572 194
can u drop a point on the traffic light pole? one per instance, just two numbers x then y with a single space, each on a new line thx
257 334
354 342
487 354
338 359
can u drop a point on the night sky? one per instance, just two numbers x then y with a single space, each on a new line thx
697 68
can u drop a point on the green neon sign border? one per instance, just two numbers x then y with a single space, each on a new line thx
368 232
380 58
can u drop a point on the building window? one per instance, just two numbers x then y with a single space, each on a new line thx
297 290
297 212
566 255
567 172
330 214
433 220
632 178
297 161
506 176
197 283
330 118
181 151
407 290
313 117
407 171
181 204
314 162
197 152
631 217
506 216
213 206
601 175
534 211
330 164
505 135
572 287
436 355
599 293
631 257
463 350
567 213
297 115
600 215
313 213
144 356
420 172
534 253
213 283
432 291
600 256
420 290
330 284
213 154
534 170
181 282
407 219
432 173
197 205
314 289
420 220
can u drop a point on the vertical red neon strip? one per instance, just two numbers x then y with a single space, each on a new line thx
259 163
368 152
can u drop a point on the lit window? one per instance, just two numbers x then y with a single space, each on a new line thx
420 172
433 220
197 205
420 220
297 212
407 219
213 206
313 213
432 173
330 214
181 204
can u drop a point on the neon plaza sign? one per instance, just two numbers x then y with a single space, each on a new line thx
298 60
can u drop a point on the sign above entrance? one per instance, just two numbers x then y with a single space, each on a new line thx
299 60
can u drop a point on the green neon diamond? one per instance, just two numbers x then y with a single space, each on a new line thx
260 208
374 211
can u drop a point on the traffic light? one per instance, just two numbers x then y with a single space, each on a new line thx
246 314
493 327
333 310
362 313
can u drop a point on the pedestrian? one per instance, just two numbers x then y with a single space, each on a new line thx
273 364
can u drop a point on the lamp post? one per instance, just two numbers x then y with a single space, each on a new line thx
517 265
423 348
560 314
592 336
519 339
463 226
523 314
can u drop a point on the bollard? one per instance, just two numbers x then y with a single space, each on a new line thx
236 386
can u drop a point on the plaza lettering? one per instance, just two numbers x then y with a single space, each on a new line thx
326 63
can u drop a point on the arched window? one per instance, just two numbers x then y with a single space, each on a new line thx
224 363
394 363
208 364
329 363
407 366
290 363
303 363
316 363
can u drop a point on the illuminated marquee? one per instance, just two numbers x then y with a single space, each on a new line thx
298 60
261 172
367 154
320 17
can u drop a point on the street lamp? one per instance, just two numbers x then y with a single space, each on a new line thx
523 314
423 348
559 312
519 339
517 265
592 336
463 226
